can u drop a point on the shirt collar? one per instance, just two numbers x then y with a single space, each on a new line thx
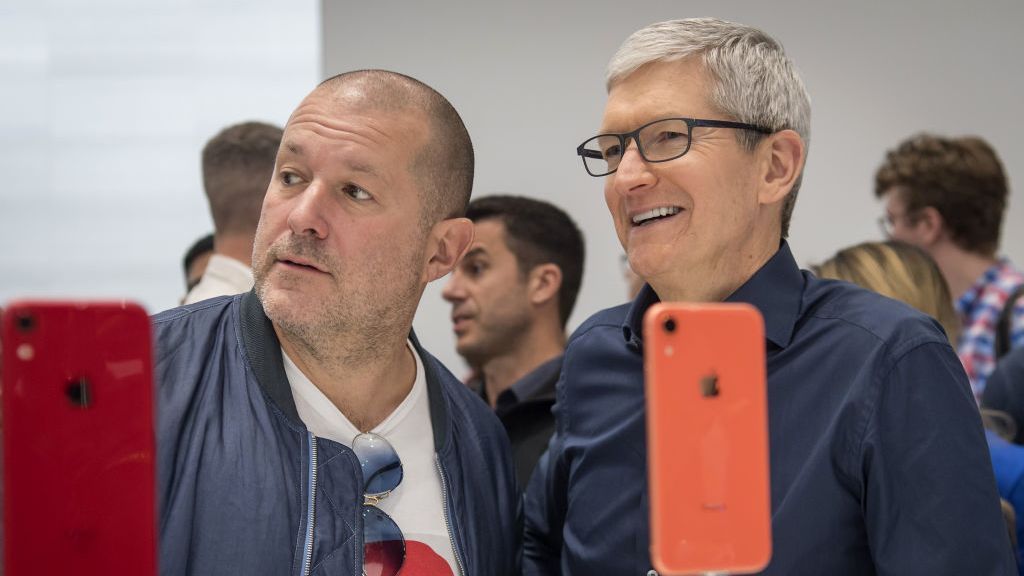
533 384
776 290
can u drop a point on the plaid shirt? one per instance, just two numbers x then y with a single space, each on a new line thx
979 310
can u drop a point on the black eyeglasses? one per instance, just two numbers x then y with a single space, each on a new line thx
658 141
383 542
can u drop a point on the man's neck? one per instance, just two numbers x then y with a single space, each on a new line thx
366 388
961 269
234 246
536 348
719 280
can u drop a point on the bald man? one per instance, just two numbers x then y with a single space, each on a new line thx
303 428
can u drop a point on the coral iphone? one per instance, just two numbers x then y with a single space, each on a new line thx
707 433
78 438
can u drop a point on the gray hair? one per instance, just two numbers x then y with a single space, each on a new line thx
753 80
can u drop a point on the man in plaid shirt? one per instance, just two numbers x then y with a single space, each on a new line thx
948 196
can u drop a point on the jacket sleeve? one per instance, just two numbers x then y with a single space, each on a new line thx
544 504
929 494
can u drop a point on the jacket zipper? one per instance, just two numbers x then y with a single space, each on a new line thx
307 558
447 518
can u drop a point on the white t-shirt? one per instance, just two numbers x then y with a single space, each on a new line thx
416 505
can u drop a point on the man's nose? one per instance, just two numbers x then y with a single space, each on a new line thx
453 290
307 213
633 171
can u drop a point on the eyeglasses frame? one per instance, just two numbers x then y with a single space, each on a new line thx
691 123
887 222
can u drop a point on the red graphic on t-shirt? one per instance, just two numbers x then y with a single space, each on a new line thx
420 560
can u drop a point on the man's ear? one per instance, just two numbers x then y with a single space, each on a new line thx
544 282
929 225
446 244
783 161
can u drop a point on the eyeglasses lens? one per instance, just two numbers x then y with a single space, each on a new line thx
383 543
660 141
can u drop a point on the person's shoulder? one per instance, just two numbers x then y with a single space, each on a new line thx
204 308
466 400
1012 364
860 311
465 411
192 323
610 318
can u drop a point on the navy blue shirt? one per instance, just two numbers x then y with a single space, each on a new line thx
535 385
878 458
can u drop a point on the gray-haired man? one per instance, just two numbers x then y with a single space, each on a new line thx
878 459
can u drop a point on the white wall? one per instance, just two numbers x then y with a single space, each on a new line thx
527 77
104 108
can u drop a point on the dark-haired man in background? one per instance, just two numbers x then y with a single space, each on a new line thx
196 258
511 297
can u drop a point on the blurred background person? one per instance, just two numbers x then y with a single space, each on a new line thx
907 273
511 296
948 196
237 166
195 261
1004 390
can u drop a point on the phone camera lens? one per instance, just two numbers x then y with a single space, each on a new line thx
26 322
670 325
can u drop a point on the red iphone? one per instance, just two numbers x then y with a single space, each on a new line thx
707 433
78 438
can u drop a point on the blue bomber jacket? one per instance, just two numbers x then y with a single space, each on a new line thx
244 488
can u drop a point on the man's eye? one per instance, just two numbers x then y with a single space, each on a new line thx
612 151
667 136
356 193
474 269
289 178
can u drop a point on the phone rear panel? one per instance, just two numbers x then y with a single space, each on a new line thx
79 455
707 424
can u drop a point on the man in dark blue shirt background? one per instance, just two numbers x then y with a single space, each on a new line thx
511 295
878 459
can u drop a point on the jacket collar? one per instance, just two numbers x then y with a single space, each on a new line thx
263 350
776 290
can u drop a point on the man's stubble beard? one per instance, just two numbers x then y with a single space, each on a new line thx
345 325
494 342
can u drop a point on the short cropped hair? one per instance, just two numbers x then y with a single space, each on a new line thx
962 178
900 271
444 165
538 233
752 79
238 164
